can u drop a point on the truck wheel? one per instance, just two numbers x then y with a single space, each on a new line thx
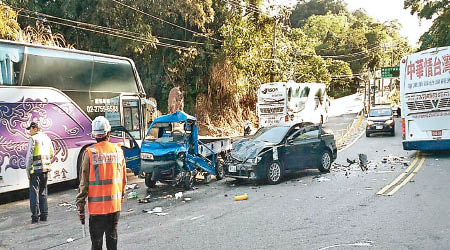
188 181
220 172
148 181
274 173
325 162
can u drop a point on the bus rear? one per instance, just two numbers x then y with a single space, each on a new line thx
271 106
425 97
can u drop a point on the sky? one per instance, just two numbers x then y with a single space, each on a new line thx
385 10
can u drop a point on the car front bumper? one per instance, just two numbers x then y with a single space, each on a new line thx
151 166
245 171
380 128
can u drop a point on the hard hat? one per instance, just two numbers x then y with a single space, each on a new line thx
100 126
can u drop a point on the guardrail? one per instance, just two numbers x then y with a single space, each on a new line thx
344 134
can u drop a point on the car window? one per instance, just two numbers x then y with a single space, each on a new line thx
380 112
306 134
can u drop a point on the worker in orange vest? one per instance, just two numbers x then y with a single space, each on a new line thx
102 181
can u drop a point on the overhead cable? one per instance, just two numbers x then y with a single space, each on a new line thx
138 39
102 27
167 22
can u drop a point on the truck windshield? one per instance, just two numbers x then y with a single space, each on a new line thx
167 132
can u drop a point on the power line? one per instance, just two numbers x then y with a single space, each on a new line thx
250 7
352 54
102 27
168 45
167 22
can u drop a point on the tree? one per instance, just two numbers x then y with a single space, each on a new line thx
9 27
439 32
304 9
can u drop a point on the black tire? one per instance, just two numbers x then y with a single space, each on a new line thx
393 132
188 181
274 173
220 172
367 134
149 182
325 162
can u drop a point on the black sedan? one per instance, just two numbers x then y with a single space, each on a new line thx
274 151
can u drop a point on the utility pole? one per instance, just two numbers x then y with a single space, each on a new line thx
274 43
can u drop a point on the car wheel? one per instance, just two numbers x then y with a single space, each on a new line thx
393 132
220 172
149 182
325 162
367 134
274 172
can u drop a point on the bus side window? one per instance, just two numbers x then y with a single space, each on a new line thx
10 65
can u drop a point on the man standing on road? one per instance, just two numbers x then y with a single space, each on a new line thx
102 181
38 163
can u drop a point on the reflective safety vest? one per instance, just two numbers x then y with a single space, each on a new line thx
42 153
106 175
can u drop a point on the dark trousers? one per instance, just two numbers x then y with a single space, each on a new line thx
38 196
104 224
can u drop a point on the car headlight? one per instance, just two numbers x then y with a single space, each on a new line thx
389 122
147 156
369 123
181 155
254 160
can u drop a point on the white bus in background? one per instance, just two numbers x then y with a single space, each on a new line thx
425 98
290 101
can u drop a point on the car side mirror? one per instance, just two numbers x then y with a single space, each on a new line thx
290 141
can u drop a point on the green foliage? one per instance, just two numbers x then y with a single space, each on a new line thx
306 9
439 33
9 28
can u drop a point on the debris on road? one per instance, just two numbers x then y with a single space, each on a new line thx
131 187
68 206
147 199
178 195
320 179
166 196
161 214
320 197
155 210
187 199
368 188
132 195
241 197
70 240
395 160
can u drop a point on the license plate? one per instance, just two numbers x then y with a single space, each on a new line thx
379 127
436 132
231 168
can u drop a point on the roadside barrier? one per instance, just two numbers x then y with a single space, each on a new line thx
344 134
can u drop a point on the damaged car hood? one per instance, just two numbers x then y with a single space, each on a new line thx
247 149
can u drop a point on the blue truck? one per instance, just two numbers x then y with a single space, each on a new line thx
172 152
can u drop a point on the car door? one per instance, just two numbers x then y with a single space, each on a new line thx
311 142
131 149
293 150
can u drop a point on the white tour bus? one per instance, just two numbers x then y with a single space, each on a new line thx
63 90
425 98
290 101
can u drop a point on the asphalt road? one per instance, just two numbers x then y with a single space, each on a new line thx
309 210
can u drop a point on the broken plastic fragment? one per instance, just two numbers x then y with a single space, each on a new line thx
241 197
132 195
178 195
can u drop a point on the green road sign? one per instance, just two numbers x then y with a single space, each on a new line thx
387 72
